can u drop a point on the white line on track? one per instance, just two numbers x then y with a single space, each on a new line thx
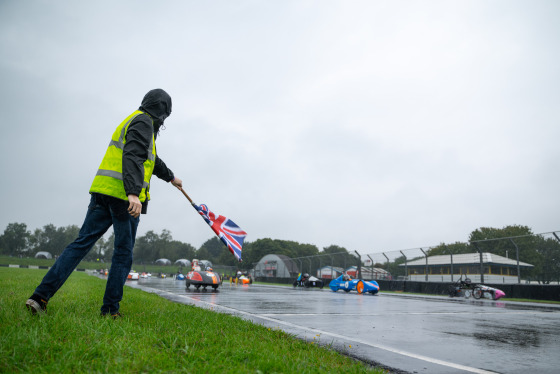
334 335
397 313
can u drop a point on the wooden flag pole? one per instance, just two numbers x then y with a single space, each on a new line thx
187 196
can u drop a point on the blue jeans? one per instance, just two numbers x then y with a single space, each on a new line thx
103 211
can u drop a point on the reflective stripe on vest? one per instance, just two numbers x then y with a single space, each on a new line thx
108 179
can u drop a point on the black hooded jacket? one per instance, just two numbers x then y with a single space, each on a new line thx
157 106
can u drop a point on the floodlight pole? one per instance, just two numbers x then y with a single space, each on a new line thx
371 259
425 255
359 265
450 254
405 265
481 262
517 256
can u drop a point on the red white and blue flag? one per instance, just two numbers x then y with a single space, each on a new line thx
228 232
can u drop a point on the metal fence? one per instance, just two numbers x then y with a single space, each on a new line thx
509 260
516 259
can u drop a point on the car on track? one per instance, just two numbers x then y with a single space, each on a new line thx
306 280
133 275
487 292
202 278
241 278
347 284
467 289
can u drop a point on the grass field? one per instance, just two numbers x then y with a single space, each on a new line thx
155 336
93 265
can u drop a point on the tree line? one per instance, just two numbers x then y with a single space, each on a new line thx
17 240
543 253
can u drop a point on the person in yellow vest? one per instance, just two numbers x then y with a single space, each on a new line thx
119 194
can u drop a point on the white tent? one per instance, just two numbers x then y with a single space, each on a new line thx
163 261
183 262
42 254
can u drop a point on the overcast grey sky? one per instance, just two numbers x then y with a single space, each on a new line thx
373 125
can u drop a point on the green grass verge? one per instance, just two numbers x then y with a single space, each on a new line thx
155 335
93 265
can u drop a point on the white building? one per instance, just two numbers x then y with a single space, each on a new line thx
497 269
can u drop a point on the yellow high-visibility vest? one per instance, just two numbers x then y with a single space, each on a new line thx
109 179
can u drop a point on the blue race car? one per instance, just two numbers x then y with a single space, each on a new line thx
344 282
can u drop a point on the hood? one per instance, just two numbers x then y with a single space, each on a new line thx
157 103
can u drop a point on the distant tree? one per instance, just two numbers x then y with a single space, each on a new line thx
254 251
211 250
501 242
339 257
394 267
52 239
15 239
548 267
499 247
145 247
453 248
176 250
152 246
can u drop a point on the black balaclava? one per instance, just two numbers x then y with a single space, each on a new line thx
157 103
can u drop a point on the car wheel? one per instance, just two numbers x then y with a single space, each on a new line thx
360 287
477 293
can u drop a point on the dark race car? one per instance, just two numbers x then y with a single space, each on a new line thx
306 280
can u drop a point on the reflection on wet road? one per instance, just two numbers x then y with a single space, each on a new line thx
408 333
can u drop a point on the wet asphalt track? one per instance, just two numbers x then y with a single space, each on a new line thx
413 334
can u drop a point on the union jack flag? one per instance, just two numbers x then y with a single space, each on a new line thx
228 232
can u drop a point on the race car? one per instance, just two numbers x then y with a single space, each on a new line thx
241 278
133 275
306 280
487 292
344 282
202 278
